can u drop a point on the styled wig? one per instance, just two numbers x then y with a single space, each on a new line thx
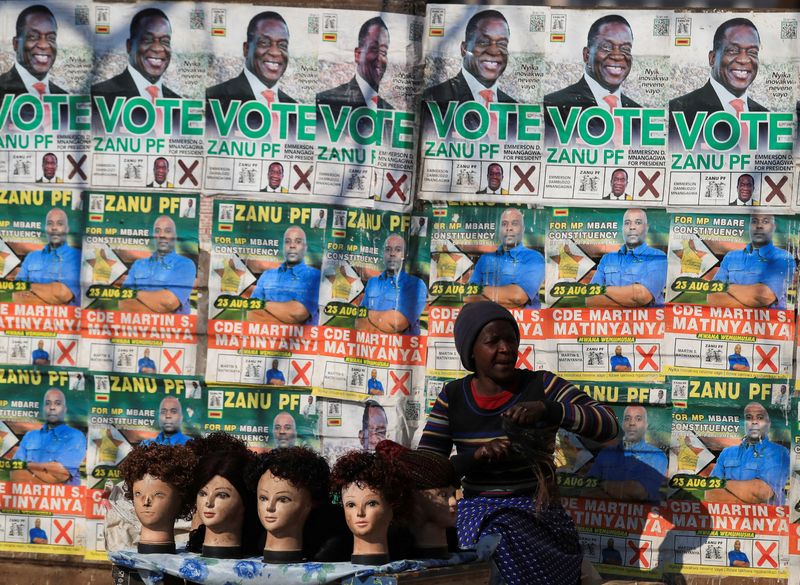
424 470
369 469
304 468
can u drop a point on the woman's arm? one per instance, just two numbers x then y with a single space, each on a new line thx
575 411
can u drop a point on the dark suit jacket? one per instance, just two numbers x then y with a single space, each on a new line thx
238 88
456 89
11 82
123 85
705 99
579 94
347 94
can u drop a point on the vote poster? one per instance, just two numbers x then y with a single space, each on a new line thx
482 128
40 292
43 422
373 314
127 410
263 287
605 107
731 285
139 276
633 466
259 92
366 107
44 93
729 472
264 418
606 271
732 102
147 95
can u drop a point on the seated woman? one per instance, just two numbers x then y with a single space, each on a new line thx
223 503
503 422
288 483
432 481
372 494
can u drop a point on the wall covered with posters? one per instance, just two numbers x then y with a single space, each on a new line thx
229 217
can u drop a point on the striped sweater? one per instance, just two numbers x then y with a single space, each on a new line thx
457 420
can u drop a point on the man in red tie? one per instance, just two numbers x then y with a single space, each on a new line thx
36 47
607 58
371 58
734 59
149 48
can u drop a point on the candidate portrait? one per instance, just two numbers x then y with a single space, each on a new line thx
291 290
54 452
170 418
733 61
164 280
266 57
49 169
52 272
745 185
756 469
634 275
484 57
512 274
160 174
35 45
758 275
394 299
494 181
149 48
607 58
371 57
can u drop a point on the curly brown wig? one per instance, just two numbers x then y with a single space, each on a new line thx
425 470
368 469
173 465
304 468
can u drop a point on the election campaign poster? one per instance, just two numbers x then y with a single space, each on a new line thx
139 276
42 486
366 106
260 114
264 418
732 104
127 410
729 472
264 282
147 95
605 107
606 271
731 289
46 62
372 310
484 252
631 467
482 124
40 247
620 538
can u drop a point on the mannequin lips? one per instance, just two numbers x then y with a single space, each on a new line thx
209 514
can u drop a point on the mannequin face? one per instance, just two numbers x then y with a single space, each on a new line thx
155 502
366 511
282 507
436 506
220 506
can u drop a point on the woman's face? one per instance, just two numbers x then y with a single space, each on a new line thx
281 505
437 506
220 506
155 502
366 511
495 351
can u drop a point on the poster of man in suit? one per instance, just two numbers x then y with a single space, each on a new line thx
147 55
732 96
45 68
605 106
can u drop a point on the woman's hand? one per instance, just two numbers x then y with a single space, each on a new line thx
526 413
493 450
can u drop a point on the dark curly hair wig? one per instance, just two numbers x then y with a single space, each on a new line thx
369 469
304 468
173 465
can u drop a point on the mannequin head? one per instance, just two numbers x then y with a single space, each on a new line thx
288 483
223 503
158 479
433 484
372 494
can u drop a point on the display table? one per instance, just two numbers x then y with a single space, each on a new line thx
466 567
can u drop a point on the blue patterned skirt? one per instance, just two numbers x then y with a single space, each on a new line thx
536 548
